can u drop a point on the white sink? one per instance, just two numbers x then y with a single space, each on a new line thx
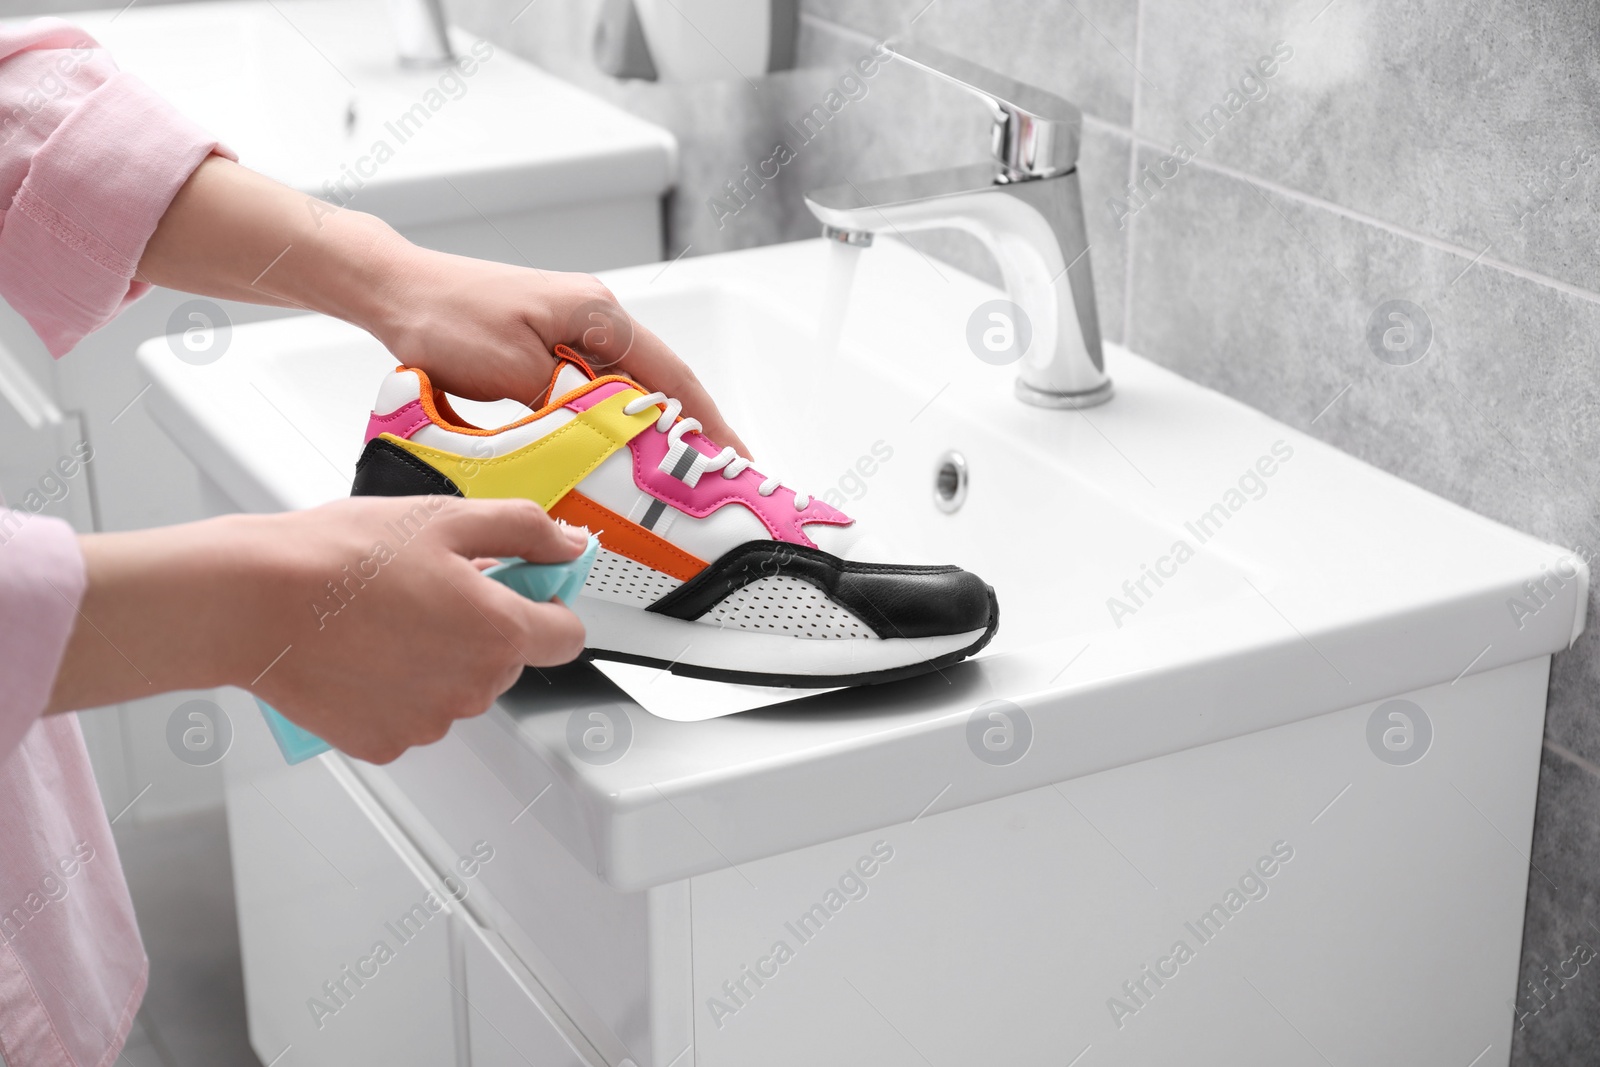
1320 590
1340 584
306 91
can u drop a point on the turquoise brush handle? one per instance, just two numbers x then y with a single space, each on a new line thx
295 742
536 581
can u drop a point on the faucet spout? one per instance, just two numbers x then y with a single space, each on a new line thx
1035 231
1027 209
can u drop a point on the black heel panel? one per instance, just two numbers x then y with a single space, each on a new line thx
386 469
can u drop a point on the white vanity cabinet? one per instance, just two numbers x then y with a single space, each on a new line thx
357 947
1282 816
1004 931
996 932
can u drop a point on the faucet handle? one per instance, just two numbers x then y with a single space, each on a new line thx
1036 132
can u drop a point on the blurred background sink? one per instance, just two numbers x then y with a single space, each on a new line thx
492 158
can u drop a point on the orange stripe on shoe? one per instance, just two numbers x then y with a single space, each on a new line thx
627 538
436 405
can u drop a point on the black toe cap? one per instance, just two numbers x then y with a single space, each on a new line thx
901 601
893 600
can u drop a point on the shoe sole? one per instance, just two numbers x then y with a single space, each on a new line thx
782 680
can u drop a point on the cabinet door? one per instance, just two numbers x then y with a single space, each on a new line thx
511 1020
346 939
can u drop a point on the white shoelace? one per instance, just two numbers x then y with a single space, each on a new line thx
729 462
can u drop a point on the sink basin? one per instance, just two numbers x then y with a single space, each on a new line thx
872 431
872 417
1297 591
1208 619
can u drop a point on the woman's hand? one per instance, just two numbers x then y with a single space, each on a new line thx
480 330
485 330
367 621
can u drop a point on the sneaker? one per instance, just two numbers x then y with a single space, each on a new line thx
707 568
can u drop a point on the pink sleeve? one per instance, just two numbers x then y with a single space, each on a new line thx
41 583
90 157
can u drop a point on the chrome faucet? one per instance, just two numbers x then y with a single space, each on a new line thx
421 33
1026 207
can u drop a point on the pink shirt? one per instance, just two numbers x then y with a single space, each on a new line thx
90 158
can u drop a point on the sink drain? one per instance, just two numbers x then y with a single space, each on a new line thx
950 482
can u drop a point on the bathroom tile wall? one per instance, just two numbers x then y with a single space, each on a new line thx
1438 152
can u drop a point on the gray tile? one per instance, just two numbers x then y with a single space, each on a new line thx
1083 51
722 125
1104 167
1559 1024
1575 683
893 122
908 121
1469 122
1268 299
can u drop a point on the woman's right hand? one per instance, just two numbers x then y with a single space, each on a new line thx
366 621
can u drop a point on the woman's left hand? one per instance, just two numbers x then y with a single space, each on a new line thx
485 330
480 330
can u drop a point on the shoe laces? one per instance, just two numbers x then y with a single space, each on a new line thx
729 462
